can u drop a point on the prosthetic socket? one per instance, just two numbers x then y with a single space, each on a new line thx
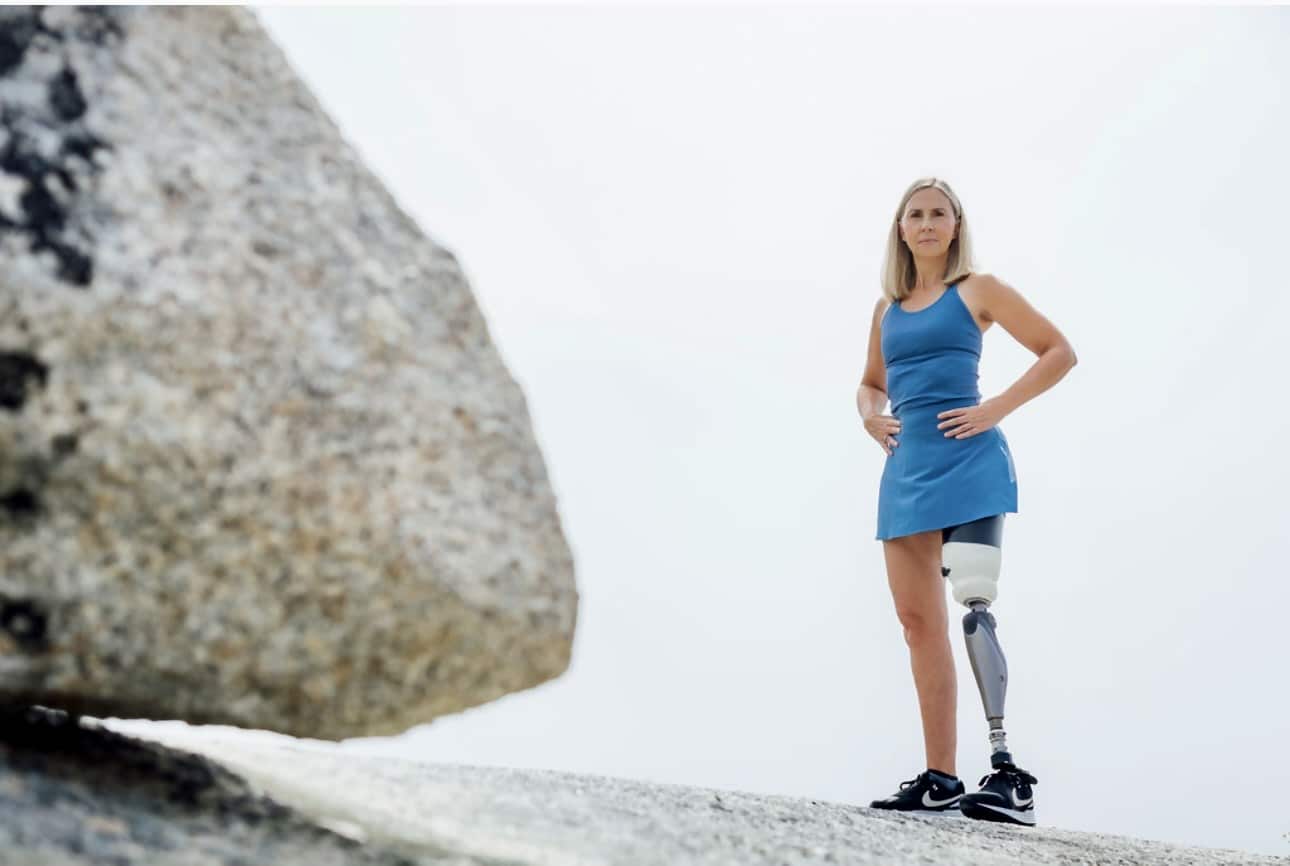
971 557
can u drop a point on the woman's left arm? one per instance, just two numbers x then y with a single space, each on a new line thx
1002 303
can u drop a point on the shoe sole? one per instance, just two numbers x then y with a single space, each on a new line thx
953 814
986 812
950 809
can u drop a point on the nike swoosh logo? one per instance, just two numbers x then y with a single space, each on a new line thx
1021 803
934 804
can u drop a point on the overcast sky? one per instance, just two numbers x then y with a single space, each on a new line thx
673 220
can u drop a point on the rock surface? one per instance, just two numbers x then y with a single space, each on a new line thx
545 818
87 796
260 463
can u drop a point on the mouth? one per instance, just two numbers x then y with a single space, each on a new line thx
928 241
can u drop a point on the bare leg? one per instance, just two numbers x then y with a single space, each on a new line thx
918 589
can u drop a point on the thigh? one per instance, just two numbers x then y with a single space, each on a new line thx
914 575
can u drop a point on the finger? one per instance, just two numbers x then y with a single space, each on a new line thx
960 428
950 412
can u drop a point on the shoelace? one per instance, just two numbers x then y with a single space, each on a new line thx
914 781
1016 777
909 783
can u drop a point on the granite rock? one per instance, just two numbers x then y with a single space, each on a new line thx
76 794
260 462
554 818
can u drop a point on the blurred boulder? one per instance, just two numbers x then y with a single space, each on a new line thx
260 462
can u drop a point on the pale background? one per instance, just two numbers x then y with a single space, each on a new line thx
673 220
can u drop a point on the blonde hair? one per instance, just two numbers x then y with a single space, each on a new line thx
898 273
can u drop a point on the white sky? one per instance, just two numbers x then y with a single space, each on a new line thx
673 220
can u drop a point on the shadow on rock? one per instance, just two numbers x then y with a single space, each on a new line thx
73 792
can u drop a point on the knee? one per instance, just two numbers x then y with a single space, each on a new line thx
921 627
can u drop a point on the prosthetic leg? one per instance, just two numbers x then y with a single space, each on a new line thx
971 558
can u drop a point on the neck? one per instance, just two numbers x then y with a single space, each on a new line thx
929 273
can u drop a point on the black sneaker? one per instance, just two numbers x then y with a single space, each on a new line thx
928 792
1005 796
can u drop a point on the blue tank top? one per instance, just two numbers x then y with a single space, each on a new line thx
931 354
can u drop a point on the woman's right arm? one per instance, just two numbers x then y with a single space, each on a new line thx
871 396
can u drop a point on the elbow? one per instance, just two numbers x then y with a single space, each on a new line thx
1064 351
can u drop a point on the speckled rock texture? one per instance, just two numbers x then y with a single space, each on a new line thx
87 796
260 463
544 818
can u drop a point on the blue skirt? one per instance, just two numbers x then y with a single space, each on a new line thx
931 481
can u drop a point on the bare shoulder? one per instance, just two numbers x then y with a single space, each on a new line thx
993 300
985 295
880 309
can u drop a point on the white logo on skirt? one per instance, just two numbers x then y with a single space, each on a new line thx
1012 471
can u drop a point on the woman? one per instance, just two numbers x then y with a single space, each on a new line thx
948 463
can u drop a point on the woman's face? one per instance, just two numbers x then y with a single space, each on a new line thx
927 226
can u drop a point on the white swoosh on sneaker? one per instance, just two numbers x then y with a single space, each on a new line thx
936 804
1020 804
